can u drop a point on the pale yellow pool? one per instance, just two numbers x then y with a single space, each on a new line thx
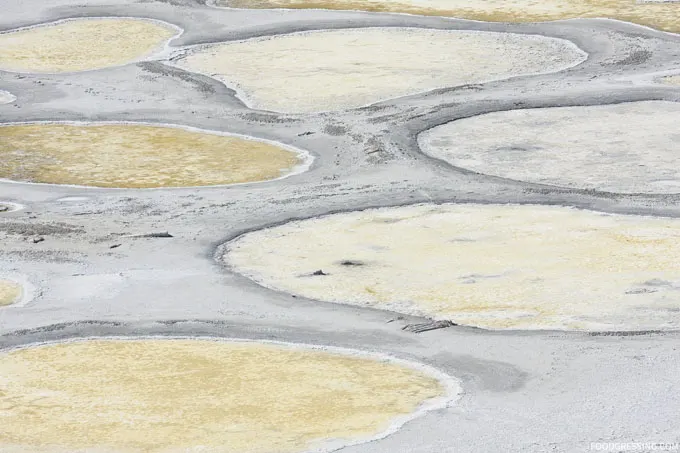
198 396
660 15
10 292
137 156
81 44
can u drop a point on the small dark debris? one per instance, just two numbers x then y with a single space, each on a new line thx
4 208
38 239
432 325
115 246
641 291
351 263
305 133
163 234
319 272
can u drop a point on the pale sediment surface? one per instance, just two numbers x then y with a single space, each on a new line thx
10 292
81 44
493 266
340 69
174 395
137 156
672 80
629 148
6 97
664 15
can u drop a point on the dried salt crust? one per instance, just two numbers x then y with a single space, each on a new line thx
340 69
73 45
139 395
492 266
6 97
138 155
664 15
628 148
